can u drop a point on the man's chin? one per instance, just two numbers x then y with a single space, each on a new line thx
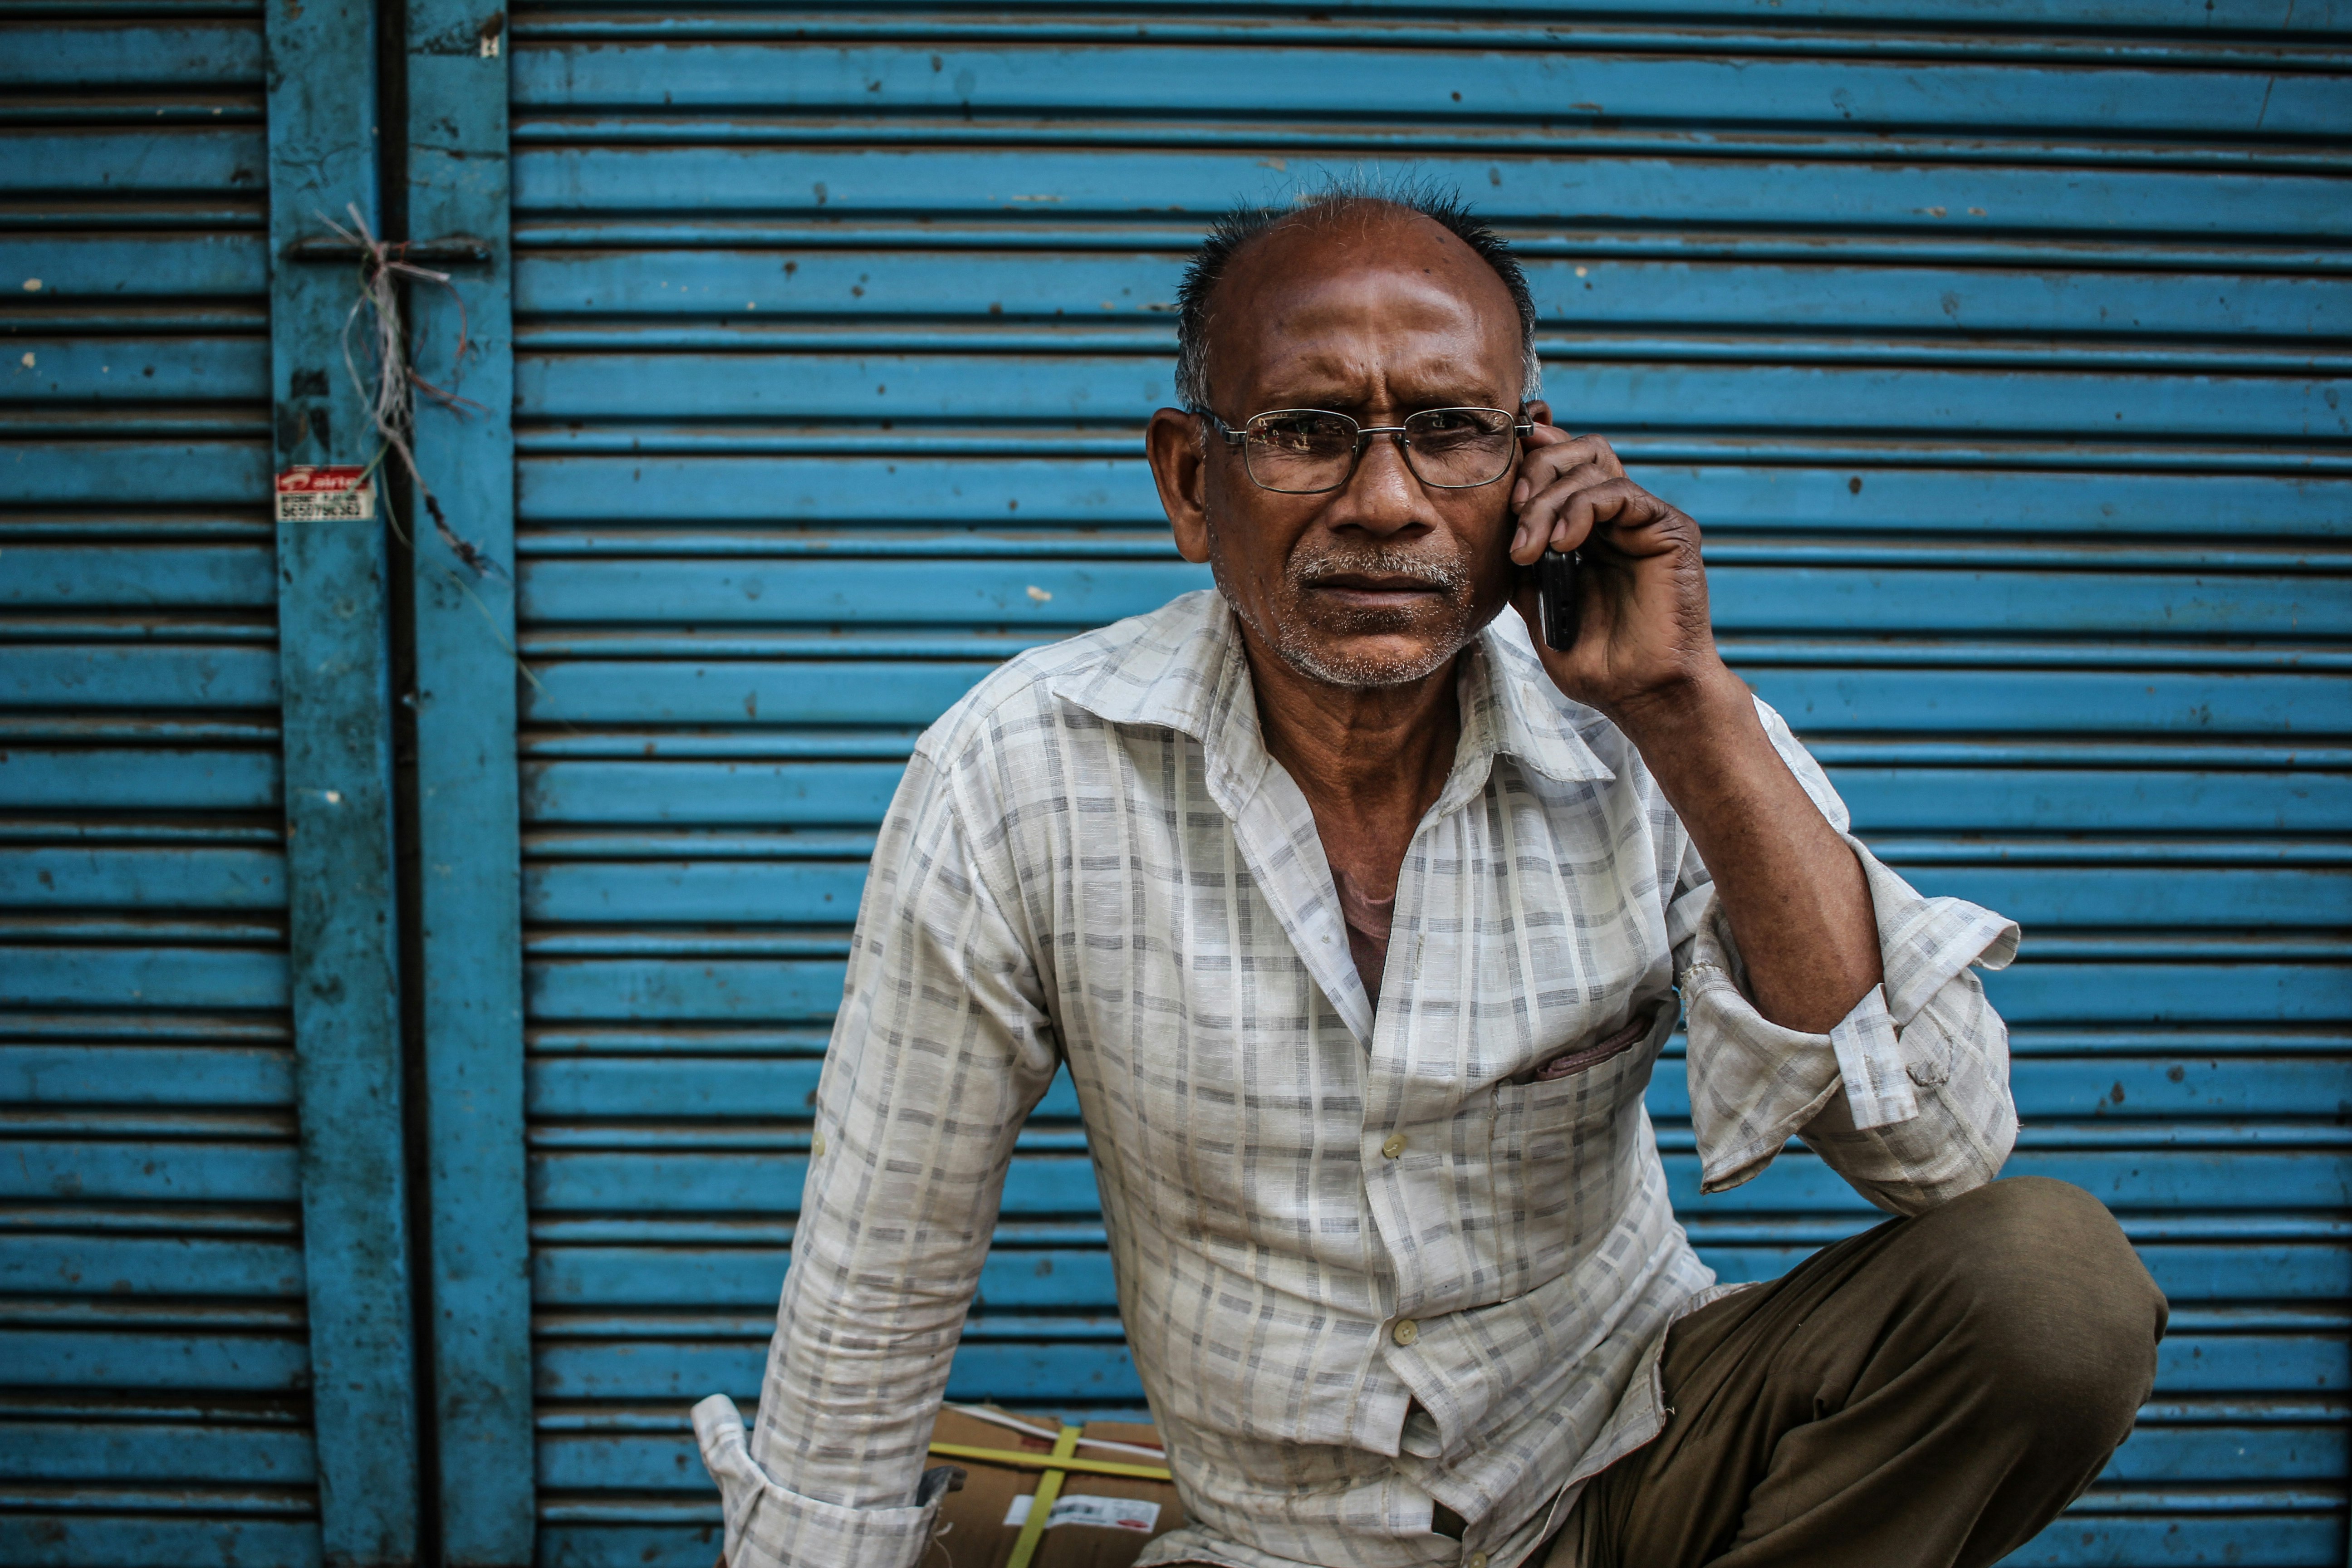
1359 661
1358 648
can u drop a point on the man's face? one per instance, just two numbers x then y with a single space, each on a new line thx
1376 315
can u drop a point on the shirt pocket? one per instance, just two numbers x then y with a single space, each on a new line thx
1580 1057
1562 1147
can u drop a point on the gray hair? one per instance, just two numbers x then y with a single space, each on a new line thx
1234 232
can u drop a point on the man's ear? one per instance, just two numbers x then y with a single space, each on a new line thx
1537 410
1180 467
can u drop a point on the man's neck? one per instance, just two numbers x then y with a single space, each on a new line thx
1370 759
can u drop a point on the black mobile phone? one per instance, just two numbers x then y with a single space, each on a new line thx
1555 578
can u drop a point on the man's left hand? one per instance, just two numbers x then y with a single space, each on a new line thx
1643 634
1645 657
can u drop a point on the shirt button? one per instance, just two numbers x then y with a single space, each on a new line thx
1406 1331
1394 1145
1476 1560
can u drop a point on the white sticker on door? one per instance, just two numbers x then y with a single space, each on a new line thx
325 495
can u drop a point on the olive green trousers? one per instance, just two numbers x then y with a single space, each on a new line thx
1931 1391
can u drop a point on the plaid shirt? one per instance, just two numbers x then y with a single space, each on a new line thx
1362 1269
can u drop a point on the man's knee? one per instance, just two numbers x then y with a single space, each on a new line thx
2057 1312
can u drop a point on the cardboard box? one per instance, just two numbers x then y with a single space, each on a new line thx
1109 1532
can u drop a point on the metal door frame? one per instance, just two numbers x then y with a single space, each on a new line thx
432 1461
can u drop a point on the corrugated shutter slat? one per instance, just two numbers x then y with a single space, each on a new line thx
153 1314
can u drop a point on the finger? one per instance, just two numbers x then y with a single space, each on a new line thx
1552 459
1556 469
1540 516
1605 454
1542 434
1589 476
1621 506
1547 459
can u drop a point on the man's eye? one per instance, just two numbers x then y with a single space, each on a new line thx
1453 422
1302 432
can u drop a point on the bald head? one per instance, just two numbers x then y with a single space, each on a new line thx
1348 227
1327 308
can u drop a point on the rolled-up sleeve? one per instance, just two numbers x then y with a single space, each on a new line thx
1922 1061
941 1048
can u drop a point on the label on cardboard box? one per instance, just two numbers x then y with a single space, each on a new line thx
325 495
1109 1513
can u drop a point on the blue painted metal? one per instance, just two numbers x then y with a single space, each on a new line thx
152 1280
467 807
2085 192
1012 501
833 333
264 1538
334 662
1930 598
729 687
2011 395
1660 386
1613 295
1461 72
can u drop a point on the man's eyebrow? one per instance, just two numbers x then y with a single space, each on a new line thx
1340 400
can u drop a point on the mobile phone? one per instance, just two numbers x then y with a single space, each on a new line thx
1555 577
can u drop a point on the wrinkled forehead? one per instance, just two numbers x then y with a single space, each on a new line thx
1363 302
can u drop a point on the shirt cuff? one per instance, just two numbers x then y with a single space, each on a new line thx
1870 1061
1924 941
1755 1084
770 1527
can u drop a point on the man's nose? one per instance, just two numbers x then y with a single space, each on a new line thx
1383 496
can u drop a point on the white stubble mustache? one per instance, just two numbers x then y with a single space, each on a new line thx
1450 577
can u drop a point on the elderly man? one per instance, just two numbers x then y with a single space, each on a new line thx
1359 919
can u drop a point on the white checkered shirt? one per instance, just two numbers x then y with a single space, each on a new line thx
1094 861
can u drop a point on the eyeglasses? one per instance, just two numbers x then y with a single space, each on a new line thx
1308 452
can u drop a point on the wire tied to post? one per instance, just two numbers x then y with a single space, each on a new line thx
389 405
389 398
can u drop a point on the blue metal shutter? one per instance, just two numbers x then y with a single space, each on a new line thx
155 1348
2003 365
206 1277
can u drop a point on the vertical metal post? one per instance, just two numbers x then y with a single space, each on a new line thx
334 663
468 835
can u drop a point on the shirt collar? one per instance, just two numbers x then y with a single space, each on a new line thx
1182 666
1508 689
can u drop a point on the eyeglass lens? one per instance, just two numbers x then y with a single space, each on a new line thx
1303 452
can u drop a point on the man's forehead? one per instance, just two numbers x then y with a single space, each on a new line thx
1322 251
1330 370
1386 293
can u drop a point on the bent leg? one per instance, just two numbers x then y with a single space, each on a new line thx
1932 1392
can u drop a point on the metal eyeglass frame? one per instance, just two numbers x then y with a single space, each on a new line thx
1235 437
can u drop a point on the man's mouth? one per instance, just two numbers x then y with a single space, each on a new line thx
1371 590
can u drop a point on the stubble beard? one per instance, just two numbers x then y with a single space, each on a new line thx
1444 626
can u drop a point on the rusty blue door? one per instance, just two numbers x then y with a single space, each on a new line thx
2000 349
209 1348
206 1318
